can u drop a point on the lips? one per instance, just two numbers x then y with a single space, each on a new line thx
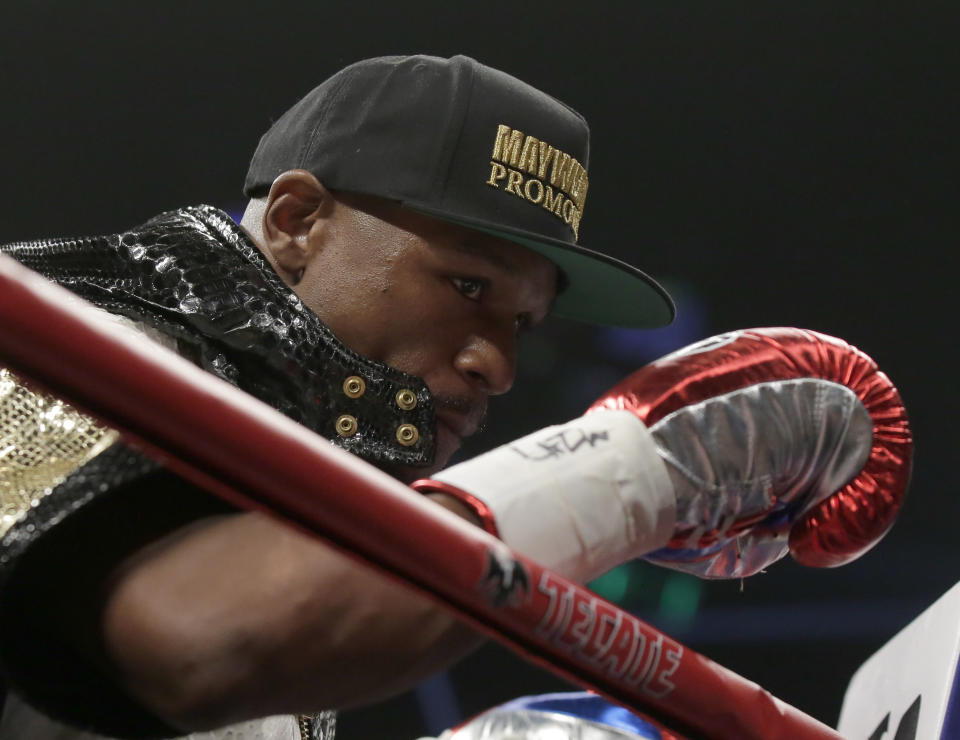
461 423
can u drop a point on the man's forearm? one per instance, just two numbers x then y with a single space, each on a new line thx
242 616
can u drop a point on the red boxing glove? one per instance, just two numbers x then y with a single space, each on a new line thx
773 438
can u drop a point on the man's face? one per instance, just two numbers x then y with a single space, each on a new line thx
431 298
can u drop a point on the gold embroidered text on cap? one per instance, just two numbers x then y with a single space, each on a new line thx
407 435
346 425
406 399
354 386
539 173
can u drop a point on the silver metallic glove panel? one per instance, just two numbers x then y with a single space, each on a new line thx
769 452
520 724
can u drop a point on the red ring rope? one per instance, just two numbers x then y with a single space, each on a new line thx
251 455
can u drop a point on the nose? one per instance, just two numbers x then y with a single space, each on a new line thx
489 362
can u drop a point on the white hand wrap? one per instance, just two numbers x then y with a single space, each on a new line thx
580 497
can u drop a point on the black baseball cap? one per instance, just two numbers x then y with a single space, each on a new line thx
465 143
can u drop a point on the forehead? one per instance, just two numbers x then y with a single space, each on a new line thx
501 253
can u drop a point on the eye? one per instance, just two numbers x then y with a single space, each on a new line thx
471 288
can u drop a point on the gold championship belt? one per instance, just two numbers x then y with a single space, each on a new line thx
42 441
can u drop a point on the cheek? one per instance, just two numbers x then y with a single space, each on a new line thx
418 335
356 304
409 325
380 297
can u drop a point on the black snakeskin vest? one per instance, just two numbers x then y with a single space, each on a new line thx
195 275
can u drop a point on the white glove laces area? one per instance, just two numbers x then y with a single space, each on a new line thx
580 497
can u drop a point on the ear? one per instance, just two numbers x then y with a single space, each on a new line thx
293 222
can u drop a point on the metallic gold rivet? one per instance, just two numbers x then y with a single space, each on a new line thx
407 435
346 426
354 386
406 399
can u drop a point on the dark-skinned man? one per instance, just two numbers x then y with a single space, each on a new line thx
407 220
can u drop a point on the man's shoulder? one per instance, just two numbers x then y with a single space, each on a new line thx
198 222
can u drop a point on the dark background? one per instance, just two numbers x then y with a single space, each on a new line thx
789 163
